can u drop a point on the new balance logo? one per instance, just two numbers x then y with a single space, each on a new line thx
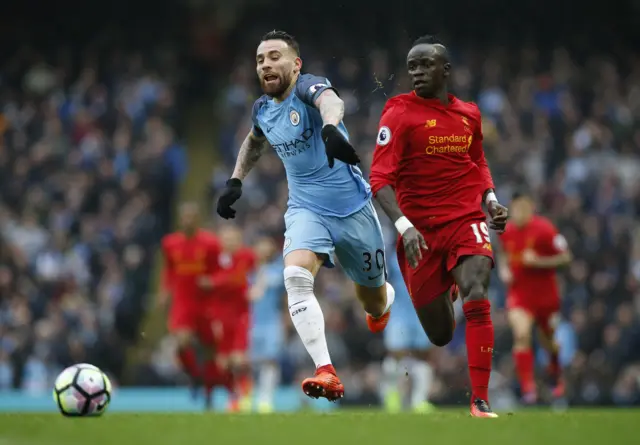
430 123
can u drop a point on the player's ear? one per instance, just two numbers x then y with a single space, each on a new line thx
447 69
297 65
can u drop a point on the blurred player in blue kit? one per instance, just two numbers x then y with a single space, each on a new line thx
267 331
329 209
407 349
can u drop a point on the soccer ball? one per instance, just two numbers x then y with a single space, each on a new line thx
82 390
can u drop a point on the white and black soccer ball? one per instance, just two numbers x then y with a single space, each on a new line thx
82 390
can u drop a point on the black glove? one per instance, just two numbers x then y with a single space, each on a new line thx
337 147
232 192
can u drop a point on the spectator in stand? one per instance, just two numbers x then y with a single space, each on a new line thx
89 167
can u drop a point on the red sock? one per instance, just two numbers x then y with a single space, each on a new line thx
524 367
189 361
479 337
212 374
229 382
245 383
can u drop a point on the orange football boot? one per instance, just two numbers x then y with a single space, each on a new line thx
325 383
480 408
378 324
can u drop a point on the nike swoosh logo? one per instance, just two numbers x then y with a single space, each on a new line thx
269 129
294 304
373 278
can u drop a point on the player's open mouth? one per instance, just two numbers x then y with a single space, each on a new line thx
419 83
270 78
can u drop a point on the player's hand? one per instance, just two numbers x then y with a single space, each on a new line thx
162 301
505 275
529 258
499 215
337 147
414 244
205 283
231 193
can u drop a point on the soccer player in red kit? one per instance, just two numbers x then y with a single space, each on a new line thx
532 250
190 258
430 176
231 313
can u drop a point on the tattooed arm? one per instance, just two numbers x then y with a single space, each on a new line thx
331 107
250 151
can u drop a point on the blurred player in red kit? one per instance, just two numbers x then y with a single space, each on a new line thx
531 252
190 259
430 176
231 313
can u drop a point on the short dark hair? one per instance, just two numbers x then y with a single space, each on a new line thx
285 37
427 40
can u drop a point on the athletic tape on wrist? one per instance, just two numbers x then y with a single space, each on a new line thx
402 225
491 197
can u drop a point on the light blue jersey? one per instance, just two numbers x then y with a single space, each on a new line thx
293 128
330 209
267 332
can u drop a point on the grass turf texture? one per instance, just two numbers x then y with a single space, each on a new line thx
584 427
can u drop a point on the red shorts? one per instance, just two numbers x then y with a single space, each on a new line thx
447 244
544 310
232 334
189 316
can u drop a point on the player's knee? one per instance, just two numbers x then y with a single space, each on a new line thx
299 284
474 288
183 339
441 338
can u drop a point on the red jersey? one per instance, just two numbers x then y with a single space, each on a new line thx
185 260
230 281
431 154
541 236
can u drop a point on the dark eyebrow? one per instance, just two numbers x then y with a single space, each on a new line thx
270 52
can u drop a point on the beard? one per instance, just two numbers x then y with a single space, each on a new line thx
276 88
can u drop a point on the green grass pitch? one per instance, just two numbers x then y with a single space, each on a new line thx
446 427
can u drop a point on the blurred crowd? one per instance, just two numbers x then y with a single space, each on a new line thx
563 123
89 166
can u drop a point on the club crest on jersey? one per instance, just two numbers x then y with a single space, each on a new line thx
384 136
294 117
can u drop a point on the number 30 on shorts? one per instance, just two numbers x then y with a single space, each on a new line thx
481 232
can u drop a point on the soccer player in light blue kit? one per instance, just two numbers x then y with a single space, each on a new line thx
407 346
267 331
329 209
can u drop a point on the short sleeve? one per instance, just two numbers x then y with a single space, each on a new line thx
551 241
389 144
309 87
257 105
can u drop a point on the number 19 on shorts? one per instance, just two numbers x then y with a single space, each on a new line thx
481 232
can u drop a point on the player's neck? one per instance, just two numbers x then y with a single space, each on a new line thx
442 96
288 91
190 233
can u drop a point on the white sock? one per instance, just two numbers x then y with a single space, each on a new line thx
391 297
268 377
421 380
306 314
390 375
